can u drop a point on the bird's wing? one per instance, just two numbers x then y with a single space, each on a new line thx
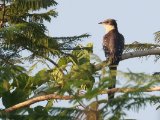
110 44
120 44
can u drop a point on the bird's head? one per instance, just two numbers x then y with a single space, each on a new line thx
109 24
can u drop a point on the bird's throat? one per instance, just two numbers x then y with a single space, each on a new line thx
109 28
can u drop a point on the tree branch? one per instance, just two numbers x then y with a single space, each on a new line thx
61 97
125 90
130 55
140 53
37 99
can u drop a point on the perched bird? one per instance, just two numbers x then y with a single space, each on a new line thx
113 45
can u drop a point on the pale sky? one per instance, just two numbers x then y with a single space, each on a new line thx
137 20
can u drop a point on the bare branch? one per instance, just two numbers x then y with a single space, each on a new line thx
37 99
140 53
125 90
61 97
130 55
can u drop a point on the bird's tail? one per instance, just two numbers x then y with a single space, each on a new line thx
112 82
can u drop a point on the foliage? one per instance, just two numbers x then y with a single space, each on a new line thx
69 69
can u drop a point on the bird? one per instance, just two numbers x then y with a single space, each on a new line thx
113 46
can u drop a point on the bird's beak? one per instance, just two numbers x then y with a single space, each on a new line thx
100 23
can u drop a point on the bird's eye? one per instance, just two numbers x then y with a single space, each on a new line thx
107 22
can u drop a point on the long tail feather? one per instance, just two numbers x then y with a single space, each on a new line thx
112 83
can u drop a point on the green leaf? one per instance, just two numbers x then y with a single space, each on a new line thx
12 98
49 105
6 85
